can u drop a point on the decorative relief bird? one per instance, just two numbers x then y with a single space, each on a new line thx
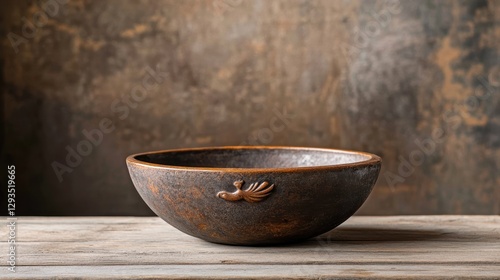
254 193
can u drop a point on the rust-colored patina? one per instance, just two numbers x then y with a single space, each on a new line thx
254 195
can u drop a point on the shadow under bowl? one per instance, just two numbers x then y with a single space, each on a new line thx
254 195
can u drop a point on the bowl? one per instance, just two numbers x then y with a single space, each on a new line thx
254 195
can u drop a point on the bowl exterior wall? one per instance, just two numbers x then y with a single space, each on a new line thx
302 204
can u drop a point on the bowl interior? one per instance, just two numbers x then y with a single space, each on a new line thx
253 157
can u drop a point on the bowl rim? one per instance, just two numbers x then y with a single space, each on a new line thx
372 159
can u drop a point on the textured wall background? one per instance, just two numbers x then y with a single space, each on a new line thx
416 82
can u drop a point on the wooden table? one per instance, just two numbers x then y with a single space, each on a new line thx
364 247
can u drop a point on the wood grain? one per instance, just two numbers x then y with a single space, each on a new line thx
417 247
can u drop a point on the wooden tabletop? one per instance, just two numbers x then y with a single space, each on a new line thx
420 247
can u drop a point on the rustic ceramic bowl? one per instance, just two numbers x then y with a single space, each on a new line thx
254 195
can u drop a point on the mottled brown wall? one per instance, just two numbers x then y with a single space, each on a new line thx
416 82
